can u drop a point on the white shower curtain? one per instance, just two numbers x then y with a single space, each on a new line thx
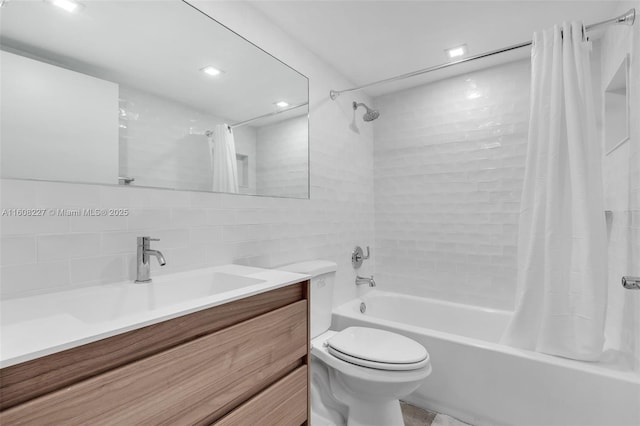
562 259
222 149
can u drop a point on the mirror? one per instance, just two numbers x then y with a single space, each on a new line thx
147 93
616 108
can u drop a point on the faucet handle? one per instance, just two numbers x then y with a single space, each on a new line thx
358 256
144 241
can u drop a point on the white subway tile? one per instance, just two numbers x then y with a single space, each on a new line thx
235 233
119 242
17 193
145 219
54 195
98 223
29 225
103 269
211 235
188 218
18 250
217 217
26 279
67 246
171 238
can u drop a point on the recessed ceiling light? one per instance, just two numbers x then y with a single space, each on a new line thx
456 52
68 5
282 104
209 70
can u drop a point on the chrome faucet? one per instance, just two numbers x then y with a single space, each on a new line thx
364 280
144 251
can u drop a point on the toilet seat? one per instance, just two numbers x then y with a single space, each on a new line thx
375 348
377 365
320 351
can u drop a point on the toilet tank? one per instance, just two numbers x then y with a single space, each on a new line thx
323 274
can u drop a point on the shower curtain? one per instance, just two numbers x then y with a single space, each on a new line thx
562 291
222 151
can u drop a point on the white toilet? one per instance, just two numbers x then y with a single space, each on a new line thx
358 374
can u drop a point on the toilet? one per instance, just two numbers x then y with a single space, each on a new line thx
360 373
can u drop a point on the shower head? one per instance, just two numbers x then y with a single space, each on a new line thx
370 115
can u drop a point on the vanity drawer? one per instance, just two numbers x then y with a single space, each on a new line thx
283 403
195 383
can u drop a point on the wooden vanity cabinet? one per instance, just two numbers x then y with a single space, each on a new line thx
242 363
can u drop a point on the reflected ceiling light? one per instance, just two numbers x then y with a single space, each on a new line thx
456 52
209 70
473 94
282 104
68 5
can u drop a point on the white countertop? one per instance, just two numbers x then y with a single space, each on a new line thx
39 325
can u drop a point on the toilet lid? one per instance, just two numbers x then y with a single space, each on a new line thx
376 348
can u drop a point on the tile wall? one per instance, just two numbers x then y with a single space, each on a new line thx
449 166
622 189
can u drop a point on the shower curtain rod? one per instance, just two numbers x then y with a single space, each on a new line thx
242 123
627 18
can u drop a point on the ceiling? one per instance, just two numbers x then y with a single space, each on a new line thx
373 40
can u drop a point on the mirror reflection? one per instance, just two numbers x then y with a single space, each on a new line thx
153 94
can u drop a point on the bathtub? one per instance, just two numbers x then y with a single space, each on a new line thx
482 382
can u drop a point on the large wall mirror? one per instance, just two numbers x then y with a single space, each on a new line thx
147 93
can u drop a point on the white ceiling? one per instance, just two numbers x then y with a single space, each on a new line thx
372 40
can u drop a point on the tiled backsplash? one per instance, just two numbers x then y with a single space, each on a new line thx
449 166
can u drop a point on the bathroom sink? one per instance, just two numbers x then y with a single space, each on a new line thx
168 291
118 301
40 324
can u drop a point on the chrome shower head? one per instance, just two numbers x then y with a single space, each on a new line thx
370 115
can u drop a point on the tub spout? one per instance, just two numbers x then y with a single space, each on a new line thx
364 280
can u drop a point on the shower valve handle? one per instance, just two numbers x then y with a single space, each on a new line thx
358 256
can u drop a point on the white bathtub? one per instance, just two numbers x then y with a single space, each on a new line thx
482 382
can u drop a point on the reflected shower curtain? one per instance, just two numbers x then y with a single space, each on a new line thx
222 149
562 291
